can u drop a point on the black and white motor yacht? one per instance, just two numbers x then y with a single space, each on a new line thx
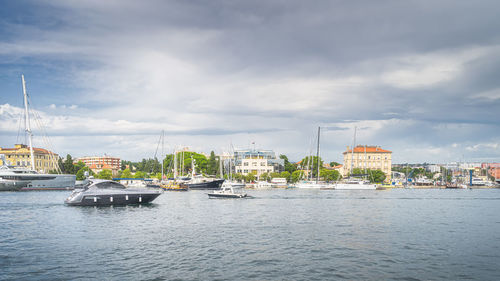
107 192
226 192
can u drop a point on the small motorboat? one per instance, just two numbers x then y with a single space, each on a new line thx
107 192
226 192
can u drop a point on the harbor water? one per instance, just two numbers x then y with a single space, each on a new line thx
281 234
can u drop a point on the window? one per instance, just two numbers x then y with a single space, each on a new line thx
245 163
262 163
254 164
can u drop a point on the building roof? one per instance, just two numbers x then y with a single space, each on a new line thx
367 149
35 149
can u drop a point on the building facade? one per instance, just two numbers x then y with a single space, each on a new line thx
20 156
257 162
368 157
99 163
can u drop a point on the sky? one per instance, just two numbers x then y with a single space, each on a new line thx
419 78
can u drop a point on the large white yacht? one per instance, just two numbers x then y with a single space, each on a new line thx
30 177
355 184
26 179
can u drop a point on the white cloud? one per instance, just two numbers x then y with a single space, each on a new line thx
427 70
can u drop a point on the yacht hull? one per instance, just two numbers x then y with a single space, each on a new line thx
216 195
114 199
12 185
346 186
54 182
216 184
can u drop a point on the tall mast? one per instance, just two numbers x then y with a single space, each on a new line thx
162 155
175 164
221 168
27 124
352 151
317 155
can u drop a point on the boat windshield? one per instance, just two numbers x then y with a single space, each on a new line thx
109 185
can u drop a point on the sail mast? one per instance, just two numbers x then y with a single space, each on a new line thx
27 124
162 155
352 151
317 155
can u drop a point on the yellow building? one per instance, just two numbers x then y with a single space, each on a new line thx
368 157
19 156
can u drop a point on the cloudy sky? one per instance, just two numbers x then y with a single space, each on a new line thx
420 78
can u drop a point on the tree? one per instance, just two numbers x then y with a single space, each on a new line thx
377 176
69 167
79 166
275 175
126 174
212 164
123 165
80 175
329 175
333 164
296 176
60 163
105 175
289 167
140 175
286 175
313 166
250 177
265 177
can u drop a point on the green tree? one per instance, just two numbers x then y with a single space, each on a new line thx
289 167
80 175
314 164
275 175
250 177
60 163
329 175
69 167
376 176
238 177
286 175
212 164
126 174
140 175
105 175
333 164
79 166
265 177
296 176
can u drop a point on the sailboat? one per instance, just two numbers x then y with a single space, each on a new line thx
355 183
314 184
33 179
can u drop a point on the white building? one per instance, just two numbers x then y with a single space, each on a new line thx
257 162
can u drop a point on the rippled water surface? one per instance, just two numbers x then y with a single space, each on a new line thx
278 235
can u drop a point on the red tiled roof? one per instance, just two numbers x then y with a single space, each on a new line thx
367 149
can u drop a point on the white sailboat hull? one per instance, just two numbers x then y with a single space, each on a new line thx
355 186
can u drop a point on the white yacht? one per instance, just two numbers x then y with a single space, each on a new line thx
33 179
312 185
27 179
355 184
226 192
263 185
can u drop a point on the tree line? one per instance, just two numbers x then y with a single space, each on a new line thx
185 161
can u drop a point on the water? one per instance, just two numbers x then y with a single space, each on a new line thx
279 235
